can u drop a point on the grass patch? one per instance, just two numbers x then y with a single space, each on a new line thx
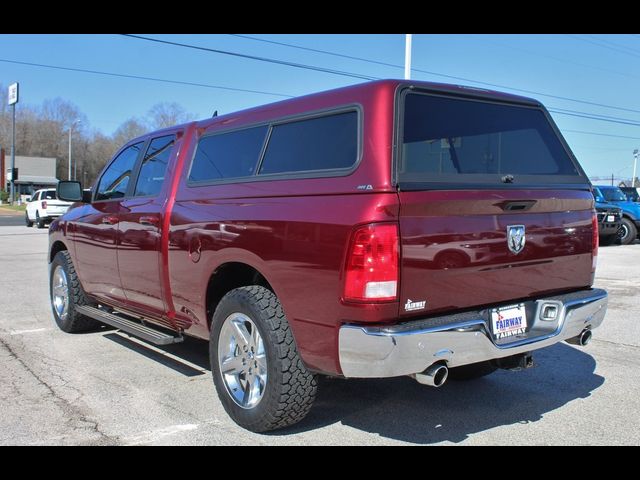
15 208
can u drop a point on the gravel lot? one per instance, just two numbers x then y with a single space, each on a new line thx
106 388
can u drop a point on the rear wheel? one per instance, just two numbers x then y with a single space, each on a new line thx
259 376
39 221
66 294
629 231
472 371
27 222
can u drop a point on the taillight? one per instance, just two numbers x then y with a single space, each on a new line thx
371 272
44 205
594 241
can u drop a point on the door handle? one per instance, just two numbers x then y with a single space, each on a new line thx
148 220
109 220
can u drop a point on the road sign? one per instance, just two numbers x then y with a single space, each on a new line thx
13 93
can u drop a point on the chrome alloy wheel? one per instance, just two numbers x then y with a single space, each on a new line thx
623 232
60 292
242 360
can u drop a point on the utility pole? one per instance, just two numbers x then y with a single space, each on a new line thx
13 99
407 57
75 169
635 163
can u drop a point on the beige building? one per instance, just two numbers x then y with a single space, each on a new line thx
34 173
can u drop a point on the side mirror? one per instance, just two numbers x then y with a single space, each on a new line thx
70 191
28 199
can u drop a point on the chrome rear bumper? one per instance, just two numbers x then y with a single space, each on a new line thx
411 347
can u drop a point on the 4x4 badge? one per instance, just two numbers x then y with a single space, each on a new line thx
515 238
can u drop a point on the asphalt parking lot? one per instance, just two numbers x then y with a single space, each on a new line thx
106 388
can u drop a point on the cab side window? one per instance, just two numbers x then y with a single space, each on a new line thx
115 180
154 166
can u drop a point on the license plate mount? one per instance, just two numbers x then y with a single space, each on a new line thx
508 321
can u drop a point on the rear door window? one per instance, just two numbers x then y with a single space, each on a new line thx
324 143
228 155
455 140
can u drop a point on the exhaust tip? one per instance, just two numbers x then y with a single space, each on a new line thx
434 376
585 337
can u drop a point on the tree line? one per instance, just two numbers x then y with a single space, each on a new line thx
43 131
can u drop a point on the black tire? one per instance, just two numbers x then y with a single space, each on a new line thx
73 322
629 231
472 371
290 388
39 221
27 222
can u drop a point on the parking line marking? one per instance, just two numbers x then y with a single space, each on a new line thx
160 434
33 330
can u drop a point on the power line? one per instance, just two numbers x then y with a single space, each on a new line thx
558 59
437 74
601 43
254 57
326 52
608 117
140 77
613 43
600 134
311 67
592 117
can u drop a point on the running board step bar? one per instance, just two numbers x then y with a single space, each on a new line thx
134 328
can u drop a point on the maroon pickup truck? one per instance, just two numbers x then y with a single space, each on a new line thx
384 229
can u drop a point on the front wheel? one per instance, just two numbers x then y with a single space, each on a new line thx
629 231
259 376
27 222
66 294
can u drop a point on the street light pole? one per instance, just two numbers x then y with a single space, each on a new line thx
13 99
70 131
407 56
635 163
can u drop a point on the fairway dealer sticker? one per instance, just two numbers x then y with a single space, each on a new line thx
410 306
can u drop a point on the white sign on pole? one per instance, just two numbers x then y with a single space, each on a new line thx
13 93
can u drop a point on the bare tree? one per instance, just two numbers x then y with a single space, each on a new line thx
165 114
129 130
44 131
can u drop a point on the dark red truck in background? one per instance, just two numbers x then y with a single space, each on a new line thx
384 229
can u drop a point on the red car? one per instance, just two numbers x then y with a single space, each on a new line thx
384 229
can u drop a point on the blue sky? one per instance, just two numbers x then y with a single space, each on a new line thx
601 69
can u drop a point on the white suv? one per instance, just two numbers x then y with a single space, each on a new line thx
44 207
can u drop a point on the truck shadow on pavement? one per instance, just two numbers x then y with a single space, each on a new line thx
189 358
402 409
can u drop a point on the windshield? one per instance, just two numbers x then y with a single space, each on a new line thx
49 195
447 139
614 195
598 195
631 193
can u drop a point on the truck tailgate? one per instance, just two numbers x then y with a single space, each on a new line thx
454 251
